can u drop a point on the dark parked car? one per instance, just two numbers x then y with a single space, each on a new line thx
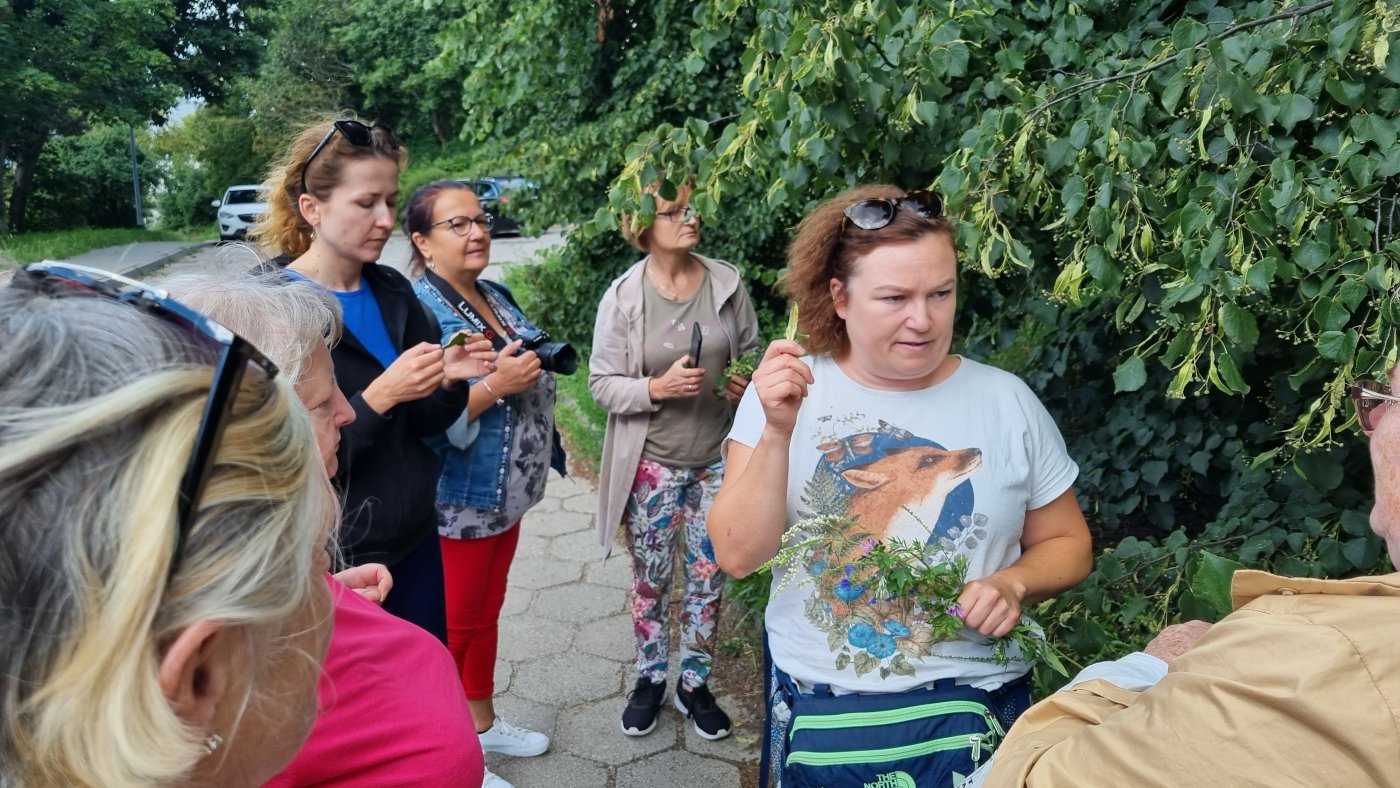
495 193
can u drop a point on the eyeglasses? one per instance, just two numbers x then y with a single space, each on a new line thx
462 225
356 133
877 212
680 215
236 357
1369 396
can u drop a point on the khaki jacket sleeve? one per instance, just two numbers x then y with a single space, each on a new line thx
609 381
1034 748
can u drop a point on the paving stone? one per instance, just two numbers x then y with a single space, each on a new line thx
518 600
610 638
615 572
549 503
578 602
577 546
594 731
543 572
526 637
550 769
677 768
550 524
567 487
532 545
565 680
502 675
583 503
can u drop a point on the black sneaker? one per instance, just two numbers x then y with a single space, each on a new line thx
643 704
710 720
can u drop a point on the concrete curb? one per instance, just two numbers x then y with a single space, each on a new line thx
141 269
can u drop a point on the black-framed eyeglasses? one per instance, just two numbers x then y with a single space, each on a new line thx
235 358
877 212
1369 397
356 133
680 215
461 225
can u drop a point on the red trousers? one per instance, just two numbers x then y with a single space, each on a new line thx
475 571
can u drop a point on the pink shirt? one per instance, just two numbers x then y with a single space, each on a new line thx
392 708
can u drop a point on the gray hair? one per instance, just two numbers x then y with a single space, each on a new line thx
283 319
99 408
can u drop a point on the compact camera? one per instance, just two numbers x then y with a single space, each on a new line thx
557 357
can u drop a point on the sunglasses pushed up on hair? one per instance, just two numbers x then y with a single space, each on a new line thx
355 133
236 358
877 212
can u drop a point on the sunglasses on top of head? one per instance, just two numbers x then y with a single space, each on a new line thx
876 212
355 133
235 358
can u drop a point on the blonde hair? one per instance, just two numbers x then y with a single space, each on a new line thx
282 318
283 230
99 408
638 233
824 249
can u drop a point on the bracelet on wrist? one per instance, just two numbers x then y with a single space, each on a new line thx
492 392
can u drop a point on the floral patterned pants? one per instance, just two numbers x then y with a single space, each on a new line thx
666 511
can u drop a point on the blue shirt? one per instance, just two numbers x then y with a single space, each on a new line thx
363 319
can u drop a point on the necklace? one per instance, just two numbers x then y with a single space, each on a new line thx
670 294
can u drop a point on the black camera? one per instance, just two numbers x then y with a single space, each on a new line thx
557 357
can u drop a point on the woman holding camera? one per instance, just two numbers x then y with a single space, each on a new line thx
498 455
661 460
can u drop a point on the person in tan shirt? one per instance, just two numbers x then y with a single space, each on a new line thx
1300 686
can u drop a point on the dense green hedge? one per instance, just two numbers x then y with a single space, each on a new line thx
1178 224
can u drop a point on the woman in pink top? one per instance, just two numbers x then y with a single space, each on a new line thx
392 708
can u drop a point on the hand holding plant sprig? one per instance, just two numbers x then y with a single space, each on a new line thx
876 589
745 365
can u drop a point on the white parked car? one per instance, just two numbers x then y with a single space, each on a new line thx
241 207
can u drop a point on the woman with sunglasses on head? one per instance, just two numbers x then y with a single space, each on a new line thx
661 459
497 458
331 202
875 419
390 711
165 518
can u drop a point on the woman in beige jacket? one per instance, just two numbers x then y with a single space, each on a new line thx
661 457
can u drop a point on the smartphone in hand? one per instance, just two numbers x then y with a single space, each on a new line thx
696 338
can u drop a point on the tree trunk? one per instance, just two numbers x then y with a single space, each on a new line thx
439 121
4 214
25 163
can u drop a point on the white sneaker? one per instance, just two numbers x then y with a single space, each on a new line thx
509 739
492 781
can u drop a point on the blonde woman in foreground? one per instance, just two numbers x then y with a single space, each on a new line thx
165 516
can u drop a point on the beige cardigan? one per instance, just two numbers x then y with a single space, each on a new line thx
616 382
1300 686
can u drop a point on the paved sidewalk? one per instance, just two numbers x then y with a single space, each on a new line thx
138 259
566 666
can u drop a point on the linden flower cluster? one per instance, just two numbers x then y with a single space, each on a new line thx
891 601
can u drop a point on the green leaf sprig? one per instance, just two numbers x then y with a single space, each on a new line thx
833 552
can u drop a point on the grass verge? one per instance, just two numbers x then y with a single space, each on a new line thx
580 421
62 244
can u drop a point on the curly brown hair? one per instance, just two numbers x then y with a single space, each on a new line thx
824 248
283 230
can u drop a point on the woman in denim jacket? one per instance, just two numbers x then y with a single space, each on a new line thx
496 458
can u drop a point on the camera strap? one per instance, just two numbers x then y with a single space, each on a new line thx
465 311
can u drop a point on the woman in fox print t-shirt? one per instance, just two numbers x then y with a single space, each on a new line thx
877 420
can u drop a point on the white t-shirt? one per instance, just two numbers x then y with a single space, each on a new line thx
957 464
